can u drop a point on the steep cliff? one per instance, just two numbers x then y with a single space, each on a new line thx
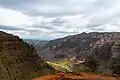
18 60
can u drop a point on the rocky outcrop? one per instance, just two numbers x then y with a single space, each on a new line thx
97 44
18 60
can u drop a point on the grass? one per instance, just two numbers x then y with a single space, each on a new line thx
62 65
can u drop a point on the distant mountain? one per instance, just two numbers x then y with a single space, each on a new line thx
19 60
38 44
103 46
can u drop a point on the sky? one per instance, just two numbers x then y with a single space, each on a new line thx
51 19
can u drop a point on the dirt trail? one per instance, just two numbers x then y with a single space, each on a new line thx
72 76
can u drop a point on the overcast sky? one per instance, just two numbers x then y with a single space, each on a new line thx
50 19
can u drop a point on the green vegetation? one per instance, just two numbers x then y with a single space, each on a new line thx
62 65
65 65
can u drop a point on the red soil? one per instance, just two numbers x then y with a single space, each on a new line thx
72 76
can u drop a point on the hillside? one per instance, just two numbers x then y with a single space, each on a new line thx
100 45
19 60
77 56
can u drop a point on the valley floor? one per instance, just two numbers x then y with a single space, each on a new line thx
73 76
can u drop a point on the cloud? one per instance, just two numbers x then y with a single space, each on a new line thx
55 7
13 18
9 28
58 18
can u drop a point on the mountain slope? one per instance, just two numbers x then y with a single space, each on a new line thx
18 60
81 45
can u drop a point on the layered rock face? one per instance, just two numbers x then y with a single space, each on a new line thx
18 60
97 44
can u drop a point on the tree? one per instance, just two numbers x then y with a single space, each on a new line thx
91 63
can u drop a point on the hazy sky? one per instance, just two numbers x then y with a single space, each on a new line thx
49 19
